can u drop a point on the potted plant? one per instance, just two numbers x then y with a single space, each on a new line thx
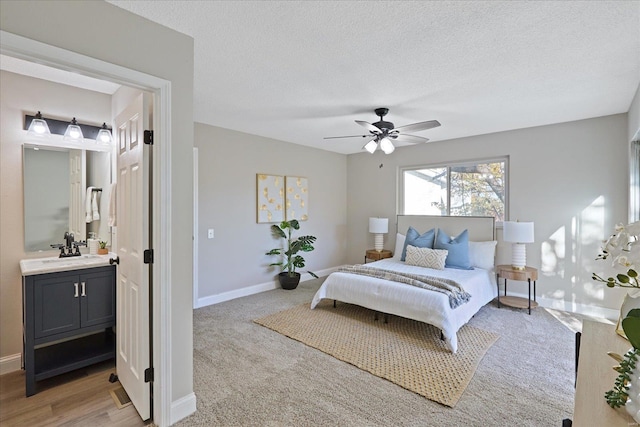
102 247
623 250
625 389
291 259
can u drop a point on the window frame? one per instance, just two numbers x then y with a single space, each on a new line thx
448 166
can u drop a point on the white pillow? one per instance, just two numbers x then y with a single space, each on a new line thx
483 254
397 251
426 257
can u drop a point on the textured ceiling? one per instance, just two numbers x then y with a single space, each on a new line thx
301 70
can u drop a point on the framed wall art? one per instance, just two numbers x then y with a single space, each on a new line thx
297 198
270 198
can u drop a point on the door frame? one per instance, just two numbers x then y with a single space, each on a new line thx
35 51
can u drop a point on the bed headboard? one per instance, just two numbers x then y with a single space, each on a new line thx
481 228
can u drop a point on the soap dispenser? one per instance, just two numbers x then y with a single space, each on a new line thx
92 243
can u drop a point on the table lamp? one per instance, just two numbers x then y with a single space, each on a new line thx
378 226
518 233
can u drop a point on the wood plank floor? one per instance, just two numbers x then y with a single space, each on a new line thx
78 398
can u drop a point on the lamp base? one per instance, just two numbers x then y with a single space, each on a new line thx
518 256
378 242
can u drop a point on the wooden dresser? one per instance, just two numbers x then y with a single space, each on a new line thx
596 376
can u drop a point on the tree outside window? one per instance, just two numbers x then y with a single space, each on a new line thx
469 189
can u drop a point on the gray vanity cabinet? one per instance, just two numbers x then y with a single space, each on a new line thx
59 307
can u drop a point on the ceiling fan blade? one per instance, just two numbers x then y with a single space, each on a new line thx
415 127
368 126
351 136
412 139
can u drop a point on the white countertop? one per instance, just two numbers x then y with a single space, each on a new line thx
29 267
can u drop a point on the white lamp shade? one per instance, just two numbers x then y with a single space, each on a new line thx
387 146
378 225
371 146
518 232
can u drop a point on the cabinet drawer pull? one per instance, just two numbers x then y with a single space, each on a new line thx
75 285
83 290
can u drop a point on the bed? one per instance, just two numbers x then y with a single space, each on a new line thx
414 302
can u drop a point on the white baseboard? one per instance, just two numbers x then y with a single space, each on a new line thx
255 289
10 363
182 408
588 310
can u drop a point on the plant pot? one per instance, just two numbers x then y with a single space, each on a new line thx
104 251
289 282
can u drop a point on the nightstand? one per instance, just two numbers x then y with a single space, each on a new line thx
374 255
529 274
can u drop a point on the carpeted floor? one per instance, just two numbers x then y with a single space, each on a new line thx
248 375
406 352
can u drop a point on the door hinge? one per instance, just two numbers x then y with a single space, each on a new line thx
148 375
148 256
148 137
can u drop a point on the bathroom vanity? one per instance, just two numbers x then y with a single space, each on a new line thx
69 314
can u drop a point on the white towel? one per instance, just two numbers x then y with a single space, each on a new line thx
87 205
112 206
94 206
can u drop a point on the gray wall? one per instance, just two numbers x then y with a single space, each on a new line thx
570 179
228 163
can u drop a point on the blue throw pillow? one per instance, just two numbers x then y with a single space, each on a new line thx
414 238
458 247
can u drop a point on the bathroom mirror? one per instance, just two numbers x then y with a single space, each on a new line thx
55 182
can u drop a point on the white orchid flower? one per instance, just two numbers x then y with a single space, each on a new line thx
622 261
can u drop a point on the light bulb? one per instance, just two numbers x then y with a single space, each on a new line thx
387 146
38 126
73 132
104 135
371 146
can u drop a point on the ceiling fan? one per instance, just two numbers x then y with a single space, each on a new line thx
384 133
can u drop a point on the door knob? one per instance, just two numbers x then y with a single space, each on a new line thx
115 260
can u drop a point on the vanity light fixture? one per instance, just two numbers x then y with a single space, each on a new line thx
73 132
104 135
38 126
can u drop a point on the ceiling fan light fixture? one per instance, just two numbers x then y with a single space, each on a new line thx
387 146
371 146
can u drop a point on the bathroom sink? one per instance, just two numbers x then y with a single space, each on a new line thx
68 260
50 265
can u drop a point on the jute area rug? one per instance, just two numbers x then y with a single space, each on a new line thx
405 352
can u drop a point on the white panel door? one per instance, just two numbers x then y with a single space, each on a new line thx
132 335
77 190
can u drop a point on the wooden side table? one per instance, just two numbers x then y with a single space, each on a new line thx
529 274
374 255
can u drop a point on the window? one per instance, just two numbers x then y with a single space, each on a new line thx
464 189
634 182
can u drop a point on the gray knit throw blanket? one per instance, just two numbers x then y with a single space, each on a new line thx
456 293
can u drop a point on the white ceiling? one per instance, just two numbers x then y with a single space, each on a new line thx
299 71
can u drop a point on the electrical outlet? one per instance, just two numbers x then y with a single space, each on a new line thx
210 233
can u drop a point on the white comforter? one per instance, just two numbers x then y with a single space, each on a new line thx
410 301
